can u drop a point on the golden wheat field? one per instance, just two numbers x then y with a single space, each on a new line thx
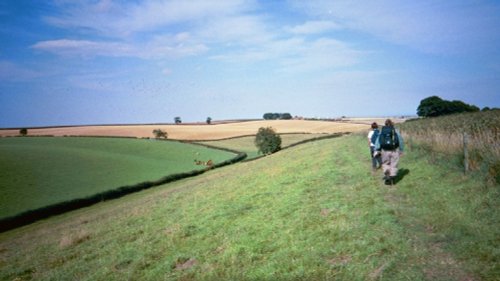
199 131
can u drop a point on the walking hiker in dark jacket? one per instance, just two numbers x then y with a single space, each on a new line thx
372 138
391 145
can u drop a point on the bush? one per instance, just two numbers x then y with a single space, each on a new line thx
159 133
23 132
267 140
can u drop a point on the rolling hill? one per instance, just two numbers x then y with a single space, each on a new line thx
311 212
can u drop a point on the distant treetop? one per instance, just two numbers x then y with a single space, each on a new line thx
277 116
435 106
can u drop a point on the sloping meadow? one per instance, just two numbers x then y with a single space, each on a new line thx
37 172
311 212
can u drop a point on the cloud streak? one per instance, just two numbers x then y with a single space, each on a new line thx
428 26
125 19
226 30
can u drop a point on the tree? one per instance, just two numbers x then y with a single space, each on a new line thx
177 120
159 133
23 132
267 140
209 120
430 107
435 106
268 116
277 116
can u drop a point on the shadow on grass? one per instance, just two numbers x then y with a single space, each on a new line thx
401 174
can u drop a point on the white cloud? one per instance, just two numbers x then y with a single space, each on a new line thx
225 30
236 30
125 19
160 47
321 54
66 47
314 27
427 25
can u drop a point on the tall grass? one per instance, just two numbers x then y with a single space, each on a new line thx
446 135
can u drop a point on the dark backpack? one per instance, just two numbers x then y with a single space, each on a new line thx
375 135
388 138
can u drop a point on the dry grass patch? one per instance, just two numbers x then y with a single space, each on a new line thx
73 239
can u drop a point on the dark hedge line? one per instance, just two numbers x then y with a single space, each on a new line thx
59 208
97 136
330 136
241 136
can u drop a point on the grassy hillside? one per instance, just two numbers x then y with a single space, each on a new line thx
36 172
312 212
246 144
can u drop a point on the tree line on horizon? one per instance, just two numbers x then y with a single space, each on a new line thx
434 106
277 116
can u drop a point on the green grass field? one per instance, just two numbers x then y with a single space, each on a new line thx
311 212
246 144
36 172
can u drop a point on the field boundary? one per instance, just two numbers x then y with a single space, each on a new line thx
329 136
253 135
34 215
31 216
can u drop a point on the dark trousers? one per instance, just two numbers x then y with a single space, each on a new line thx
376 161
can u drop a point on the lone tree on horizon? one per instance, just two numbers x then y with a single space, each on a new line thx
177 120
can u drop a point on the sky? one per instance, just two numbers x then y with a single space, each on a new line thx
76 62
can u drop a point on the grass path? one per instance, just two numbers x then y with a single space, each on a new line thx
312 212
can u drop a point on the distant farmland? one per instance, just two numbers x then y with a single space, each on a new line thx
200 131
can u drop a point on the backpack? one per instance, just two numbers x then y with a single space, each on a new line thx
388 138
375 135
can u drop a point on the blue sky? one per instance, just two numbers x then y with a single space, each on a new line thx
71 62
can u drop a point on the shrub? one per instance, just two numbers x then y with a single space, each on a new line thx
267 140
159 133
23 132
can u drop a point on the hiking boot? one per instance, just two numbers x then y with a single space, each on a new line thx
386 176
393 180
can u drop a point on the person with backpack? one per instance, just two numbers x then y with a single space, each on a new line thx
390 144
372 138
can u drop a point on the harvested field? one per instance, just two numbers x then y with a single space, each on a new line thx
199 131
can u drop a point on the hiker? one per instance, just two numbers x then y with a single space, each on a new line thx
390 144
375 155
